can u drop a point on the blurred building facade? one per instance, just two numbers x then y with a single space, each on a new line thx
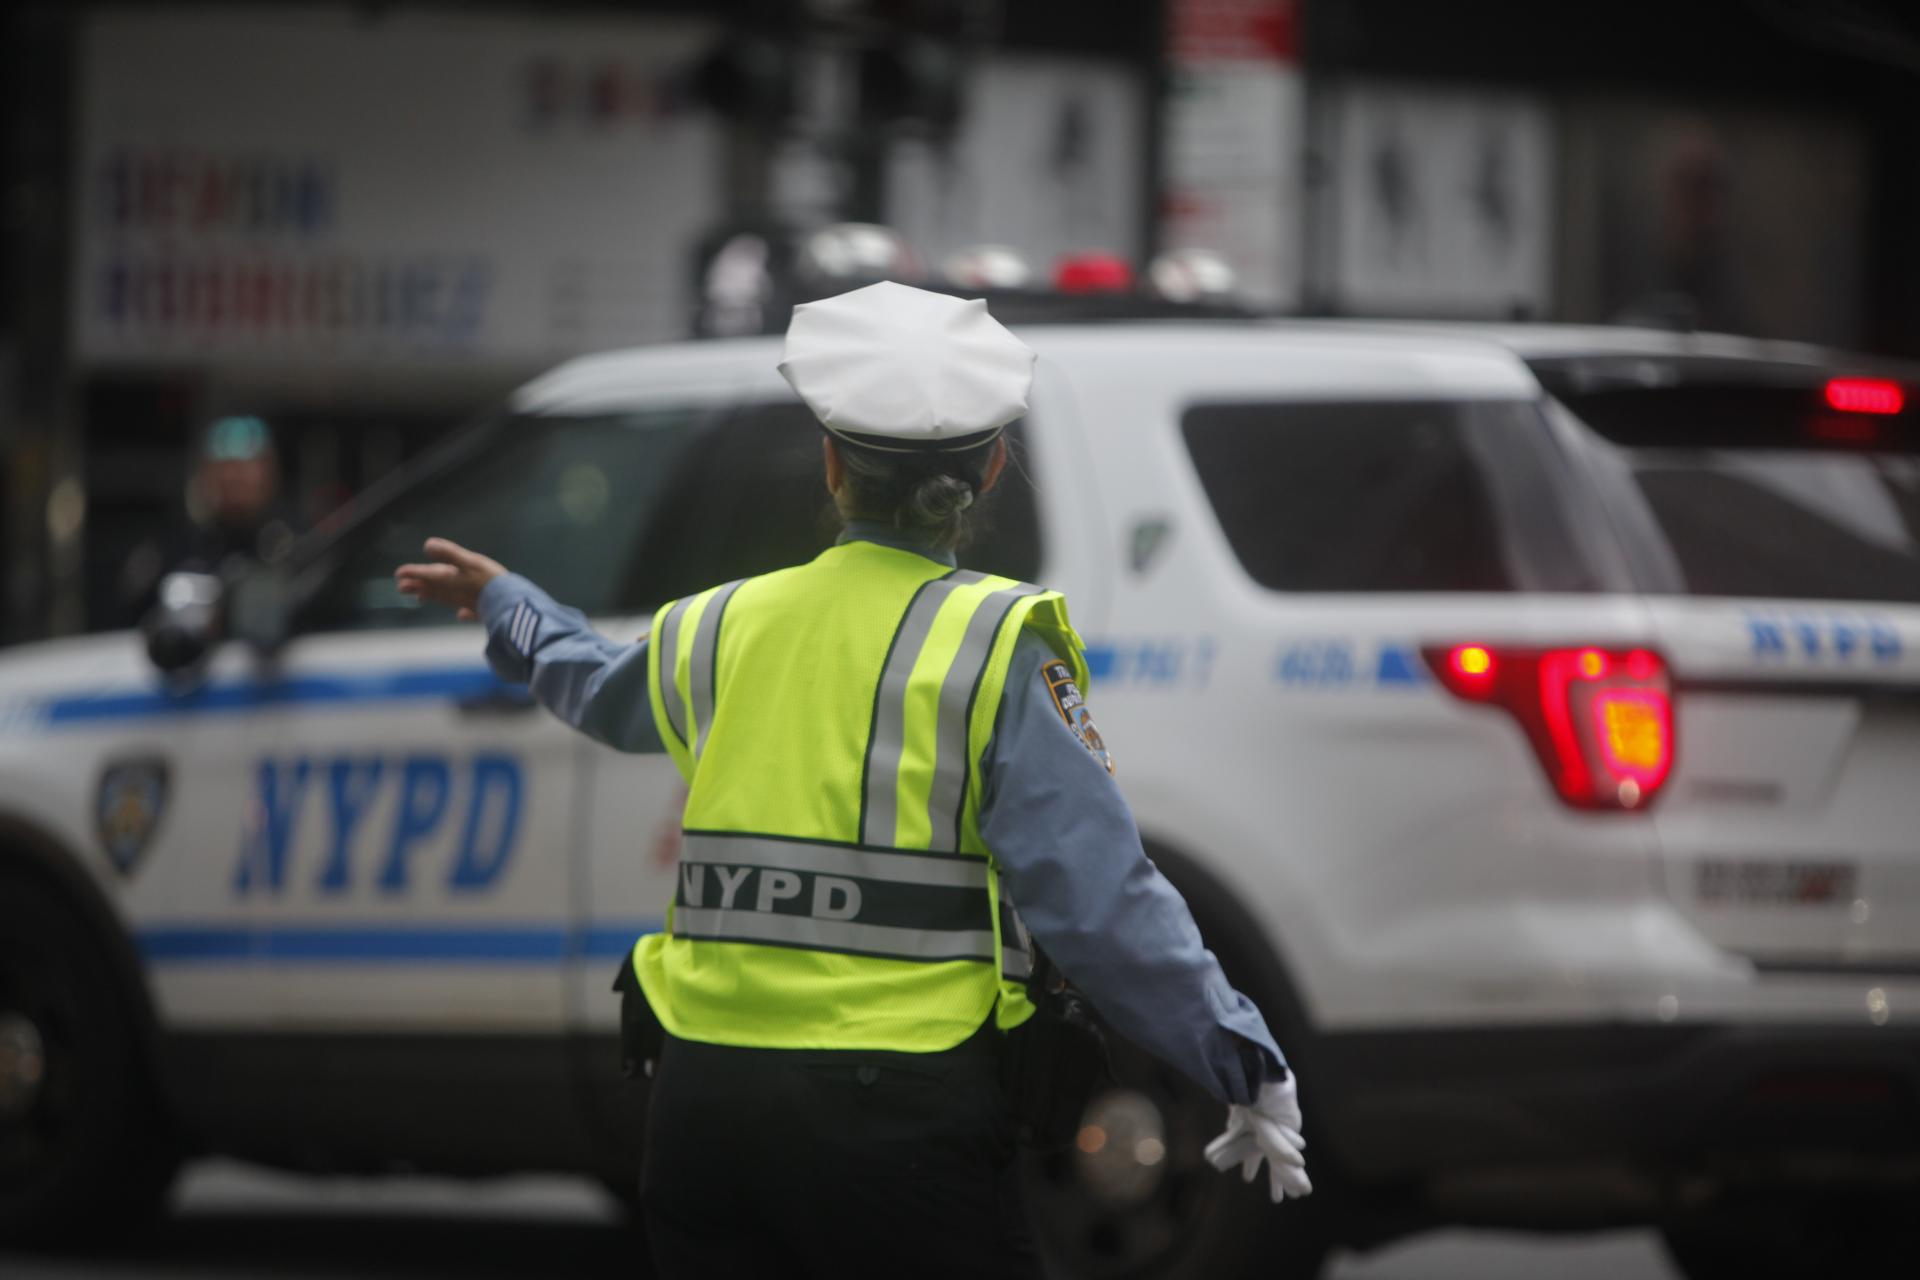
365 223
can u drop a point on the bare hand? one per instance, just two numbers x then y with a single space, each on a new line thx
455 578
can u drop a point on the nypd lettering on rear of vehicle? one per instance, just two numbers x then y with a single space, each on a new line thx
479 797
1824 638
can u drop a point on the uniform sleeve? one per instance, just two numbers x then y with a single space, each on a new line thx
597 685
1071 857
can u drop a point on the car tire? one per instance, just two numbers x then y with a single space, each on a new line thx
85 1151
1180 1219
1865 1238
1196 1222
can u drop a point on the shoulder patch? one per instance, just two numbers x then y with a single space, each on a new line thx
523 629
1072 705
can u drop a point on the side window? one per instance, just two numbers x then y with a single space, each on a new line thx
1386 496
751 497
561 500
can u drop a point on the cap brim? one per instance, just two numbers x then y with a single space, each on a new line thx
895 444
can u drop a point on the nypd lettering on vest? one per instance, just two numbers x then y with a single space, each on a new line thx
833 897
822 897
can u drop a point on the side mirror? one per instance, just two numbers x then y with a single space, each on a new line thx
183 627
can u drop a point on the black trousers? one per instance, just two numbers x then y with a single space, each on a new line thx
802 1163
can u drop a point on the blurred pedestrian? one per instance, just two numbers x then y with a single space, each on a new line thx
885 754
234 514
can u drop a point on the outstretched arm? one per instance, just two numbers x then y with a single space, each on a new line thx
597 685
1071 856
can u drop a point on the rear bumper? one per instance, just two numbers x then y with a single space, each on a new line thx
1594 1124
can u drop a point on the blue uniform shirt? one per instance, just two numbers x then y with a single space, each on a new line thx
1058 826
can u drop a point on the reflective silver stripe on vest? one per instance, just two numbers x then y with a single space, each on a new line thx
1015 966
700 664
833 935
881 819
895 867
952 757
1016 944
668 656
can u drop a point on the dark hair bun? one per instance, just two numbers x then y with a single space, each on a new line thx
932 494
938 498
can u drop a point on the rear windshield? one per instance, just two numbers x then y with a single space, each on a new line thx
1402 496
1763 490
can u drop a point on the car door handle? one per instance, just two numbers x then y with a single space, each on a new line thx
495 702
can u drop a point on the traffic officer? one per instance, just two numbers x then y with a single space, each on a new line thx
237 515
893 782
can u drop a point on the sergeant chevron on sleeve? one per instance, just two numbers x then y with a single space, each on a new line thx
895 790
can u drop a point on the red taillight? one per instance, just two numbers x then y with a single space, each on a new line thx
1631 725
1865 395
1600 720
1471 662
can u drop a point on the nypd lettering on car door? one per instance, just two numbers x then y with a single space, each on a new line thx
386 824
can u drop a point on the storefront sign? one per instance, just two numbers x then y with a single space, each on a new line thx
1234 132
310 186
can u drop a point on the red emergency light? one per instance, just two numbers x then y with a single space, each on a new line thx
1865 395
1093 273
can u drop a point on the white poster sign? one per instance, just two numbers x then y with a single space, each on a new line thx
322 185
1046 161
1234 134
1440 201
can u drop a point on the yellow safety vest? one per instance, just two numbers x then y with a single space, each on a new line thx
834 891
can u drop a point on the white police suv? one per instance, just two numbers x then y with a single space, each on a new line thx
1531 716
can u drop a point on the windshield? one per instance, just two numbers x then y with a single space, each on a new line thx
562 500
1763 490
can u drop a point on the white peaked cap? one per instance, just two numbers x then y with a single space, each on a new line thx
898 368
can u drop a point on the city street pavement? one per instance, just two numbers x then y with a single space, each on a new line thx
232 1221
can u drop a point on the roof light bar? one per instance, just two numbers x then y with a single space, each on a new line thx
1865 395
1093 273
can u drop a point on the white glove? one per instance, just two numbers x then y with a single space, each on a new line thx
1269 1129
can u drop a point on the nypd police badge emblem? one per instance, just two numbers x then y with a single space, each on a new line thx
128 807
1072 705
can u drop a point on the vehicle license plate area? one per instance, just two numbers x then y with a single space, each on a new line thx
1732 882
